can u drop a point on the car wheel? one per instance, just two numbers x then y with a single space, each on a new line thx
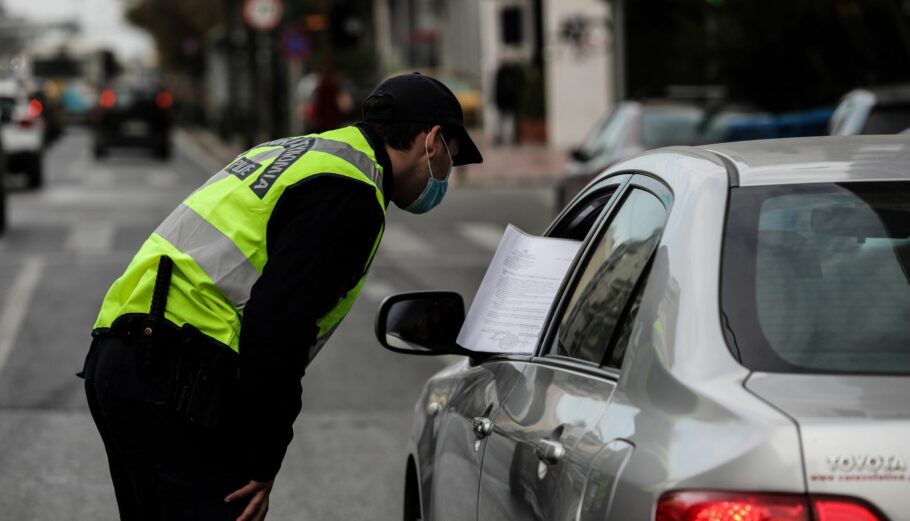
35 171
412 511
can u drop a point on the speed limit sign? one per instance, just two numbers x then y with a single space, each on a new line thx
263 14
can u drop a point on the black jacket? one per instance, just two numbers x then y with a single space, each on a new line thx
319 238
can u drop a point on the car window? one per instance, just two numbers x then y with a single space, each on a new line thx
579 220
608 135
609 277
816 277
888 119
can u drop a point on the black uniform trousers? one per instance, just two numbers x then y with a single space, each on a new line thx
163 467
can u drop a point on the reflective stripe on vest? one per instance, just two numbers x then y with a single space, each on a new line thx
217 236
213 251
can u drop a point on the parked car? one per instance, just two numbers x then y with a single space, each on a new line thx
881 110
635 126
3 175
130 115
23 129
731 342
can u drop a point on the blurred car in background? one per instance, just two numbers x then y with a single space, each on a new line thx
882 110
54 115
23 131
635 126
130 115
3 210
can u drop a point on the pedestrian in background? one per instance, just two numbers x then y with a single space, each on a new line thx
194 372
331 101
507 86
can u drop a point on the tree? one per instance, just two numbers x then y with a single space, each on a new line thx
177 26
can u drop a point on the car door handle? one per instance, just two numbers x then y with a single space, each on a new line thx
482 427
549 451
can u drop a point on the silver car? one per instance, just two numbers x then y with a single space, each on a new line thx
732 342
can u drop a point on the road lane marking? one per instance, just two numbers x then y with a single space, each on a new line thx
91 237
399 240
486 235
17 304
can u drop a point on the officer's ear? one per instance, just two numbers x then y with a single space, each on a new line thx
433 141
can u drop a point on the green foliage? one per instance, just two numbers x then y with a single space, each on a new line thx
176 26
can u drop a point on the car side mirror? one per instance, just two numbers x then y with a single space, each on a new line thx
421 323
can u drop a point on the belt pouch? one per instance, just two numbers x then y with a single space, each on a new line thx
206 381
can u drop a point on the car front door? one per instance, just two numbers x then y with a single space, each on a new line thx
534 466
464 417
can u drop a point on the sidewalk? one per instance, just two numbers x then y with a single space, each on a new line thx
525 164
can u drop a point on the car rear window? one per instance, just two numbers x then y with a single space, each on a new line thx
816 277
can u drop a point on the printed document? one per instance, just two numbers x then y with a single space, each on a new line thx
517 291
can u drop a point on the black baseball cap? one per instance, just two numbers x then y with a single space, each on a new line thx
424 99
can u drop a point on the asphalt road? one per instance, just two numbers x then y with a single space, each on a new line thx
67 242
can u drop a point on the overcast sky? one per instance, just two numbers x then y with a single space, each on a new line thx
101 20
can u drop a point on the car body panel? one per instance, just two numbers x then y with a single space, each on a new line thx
548 403
449 467
818 160
855 432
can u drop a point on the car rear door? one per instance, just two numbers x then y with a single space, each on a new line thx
531 468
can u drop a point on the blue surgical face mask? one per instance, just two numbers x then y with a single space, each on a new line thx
435 190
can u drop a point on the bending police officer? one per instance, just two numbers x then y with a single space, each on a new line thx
193 375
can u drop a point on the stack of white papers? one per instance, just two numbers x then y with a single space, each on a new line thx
517 291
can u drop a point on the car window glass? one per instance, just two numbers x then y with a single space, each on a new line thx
816 277
581 218
608 136
609 277
888 119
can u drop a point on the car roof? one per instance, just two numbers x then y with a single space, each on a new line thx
815 159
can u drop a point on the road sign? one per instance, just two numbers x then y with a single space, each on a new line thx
294 44
263 14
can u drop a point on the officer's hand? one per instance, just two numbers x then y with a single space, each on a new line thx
259 500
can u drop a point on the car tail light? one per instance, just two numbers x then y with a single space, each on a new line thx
722 506
164 100
842 509
738 506
108 99
35 108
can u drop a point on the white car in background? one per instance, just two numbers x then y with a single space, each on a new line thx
22 130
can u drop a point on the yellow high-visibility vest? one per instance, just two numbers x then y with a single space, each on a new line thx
217 236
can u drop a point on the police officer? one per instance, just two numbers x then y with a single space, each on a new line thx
193 375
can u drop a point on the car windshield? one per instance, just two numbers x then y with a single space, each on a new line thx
816 277
608 135
681 126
